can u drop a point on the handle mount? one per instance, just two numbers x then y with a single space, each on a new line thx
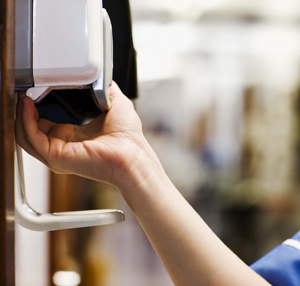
31 219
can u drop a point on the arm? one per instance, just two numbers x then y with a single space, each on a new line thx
113 149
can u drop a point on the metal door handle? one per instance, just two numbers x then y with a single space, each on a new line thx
30 219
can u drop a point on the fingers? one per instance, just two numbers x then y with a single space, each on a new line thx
106 122
35 136
114 89
20 134
116 94
34 140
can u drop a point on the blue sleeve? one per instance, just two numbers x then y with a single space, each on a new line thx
281 266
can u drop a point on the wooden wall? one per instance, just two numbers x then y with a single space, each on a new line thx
7 113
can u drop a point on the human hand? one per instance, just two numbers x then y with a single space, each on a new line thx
104 149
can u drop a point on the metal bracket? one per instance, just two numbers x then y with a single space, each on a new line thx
31 219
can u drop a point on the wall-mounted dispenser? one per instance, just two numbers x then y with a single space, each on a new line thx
64 50
64 62
68 46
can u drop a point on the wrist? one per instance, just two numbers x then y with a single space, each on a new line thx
141 168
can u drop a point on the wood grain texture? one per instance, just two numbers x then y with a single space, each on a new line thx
7 114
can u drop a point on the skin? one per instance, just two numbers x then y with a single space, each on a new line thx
113 149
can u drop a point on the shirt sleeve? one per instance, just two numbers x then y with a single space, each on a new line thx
281 266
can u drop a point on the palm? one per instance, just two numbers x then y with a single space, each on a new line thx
107 138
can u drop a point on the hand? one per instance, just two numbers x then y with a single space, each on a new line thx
103 150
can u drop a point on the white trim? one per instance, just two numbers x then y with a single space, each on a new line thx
292 243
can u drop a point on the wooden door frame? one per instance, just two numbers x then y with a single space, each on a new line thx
7 139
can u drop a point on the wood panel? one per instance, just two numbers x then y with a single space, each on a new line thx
7 112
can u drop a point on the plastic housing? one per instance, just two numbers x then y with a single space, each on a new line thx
67 42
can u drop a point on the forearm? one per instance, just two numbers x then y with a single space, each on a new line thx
190 251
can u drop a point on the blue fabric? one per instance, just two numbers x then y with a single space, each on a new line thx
281 266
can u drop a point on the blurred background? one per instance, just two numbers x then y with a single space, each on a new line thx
219 99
